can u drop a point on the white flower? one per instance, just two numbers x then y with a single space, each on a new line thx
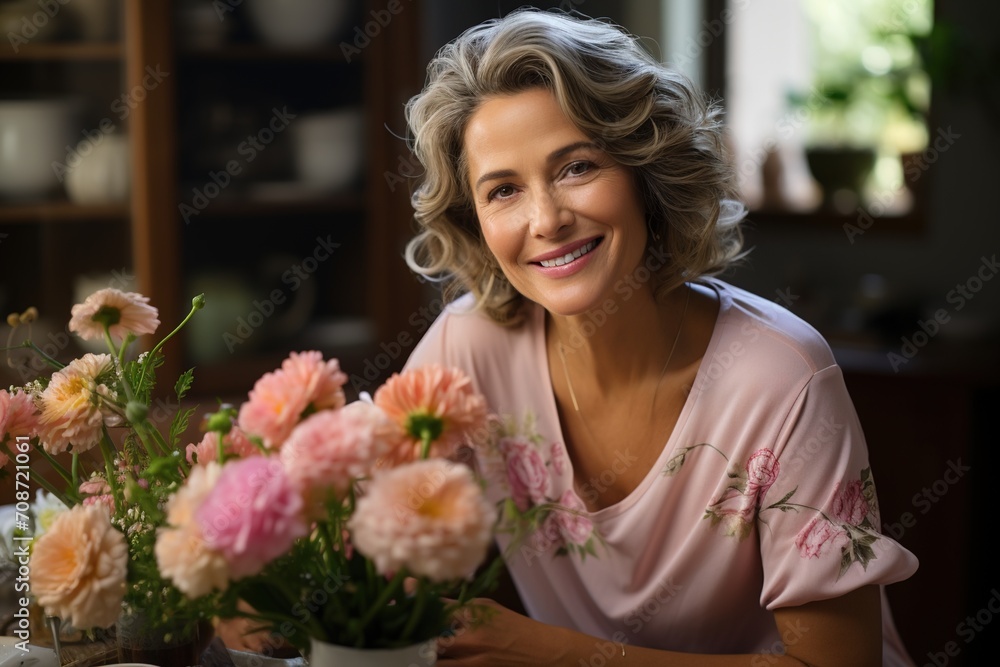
46 508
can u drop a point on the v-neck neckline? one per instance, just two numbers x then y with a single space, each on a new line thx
617 508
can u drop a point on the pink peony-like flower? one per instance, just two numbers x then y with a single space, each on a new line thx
280 399
850 505
762 470
79 567
429 517
181 553
433 401
252 516
123 312
569 521
71 405
558 457
236 444
17 417
328 451
818 537
526 473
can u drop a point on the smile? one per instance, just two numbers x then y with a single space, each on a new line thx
570 256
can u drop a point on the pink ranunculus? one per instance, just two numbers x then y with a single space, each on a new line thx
557 456
849 505
429 517
181 553
526 473
72 405
236 443
818 537
125 312
17 417
434 400
279 400
330 450
762 470
570 519
79 566
252 516
95 486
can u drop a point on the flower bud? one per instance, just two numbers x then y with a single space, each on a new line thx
136 411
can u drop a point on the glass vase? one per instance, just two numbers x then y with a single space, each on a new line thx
141 641
322 654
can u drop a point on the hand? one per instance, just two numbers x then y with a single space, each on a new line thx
496 636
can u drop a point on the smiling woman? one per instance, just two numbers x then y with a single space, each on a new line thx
578 201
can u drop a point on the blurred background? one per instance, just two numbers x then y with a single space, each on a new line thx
253 150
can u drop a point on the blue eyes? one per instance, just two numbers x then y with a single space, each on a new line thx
574 169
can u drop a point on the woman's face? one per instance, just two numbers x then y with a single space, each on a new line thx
564 221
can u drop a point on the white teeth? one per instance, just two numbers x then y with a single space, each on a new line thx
569 257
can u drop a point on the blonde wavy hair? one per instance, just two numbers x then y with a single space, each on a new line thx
643 115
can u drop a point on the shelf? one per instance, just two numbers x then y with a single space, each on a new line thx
261 52
250 207
60 211
93 51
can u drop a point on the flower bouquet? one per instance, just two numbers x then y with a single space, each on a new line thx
355 525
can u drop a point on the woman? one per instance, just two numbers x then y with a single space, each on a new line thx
703 478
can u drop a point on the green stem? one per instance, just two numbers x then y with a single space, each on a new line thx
115 352
49 360
45 484
416 613
76 470
58 467
108 452
156 348
426 440
380 602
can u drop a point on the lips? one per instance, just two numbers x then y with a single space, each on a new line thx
569 256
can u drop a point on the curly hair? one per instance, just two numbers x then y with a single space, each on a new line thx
642 114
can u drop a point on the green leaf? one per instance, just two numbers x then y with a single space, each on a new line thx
184 383
179 425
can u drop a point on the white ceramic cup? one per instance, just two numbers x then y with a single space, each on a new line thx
34 135
329 148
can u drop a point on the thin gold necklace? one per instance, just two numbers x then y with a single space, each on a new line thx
663 372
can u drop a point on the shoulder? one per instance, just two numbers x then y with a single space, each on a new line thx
775 334
465 337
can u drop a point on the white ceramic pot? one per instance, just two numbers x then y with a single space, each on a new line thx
322 654
34 136
329 148
102 174
298 24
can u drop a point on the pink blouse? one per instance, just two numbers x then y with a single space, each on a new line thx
761 498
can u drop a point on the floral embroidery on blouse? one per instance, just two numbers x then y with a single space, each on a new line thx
850 525
523 465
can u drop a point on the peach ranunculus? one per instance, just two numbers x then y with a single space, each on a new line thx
181 552
71 405
17 417
79 568
281 399
122 312
429 517
236 443
328 451
432 403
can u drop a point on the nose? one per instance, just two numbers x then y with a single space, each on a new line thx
548 214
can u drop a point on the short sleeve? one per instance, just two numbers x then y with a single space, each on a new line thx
818 521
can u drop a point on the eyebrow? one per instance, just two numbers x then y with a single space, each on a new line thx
554 155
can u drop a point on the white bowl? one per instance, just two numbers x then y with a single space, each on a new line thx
34 136
329 148
298 24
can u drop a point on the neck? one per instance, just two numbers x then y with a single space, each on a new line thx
622 343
